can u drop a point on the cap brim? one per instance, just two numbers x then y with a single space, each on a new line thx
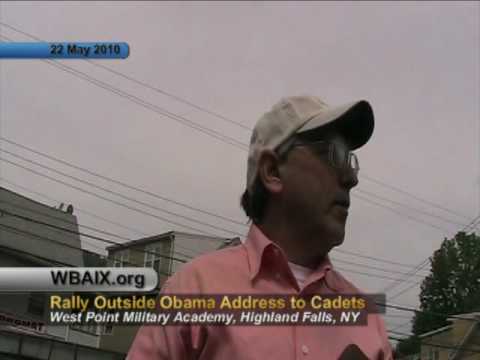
355 121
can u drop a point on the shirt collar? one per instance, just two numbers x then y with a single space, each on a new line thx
257 243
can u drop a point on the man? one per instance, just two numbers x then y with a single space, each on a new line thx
300 173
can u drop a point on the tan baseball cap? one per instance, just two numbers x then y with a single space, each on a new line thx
297 114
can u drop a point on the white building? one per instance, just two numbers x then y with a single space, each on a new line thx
30 236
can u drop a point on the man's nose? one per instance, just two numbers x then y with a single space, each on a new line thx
348 178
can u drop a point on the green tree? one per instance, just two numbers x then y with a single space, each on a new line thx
452 287
407 347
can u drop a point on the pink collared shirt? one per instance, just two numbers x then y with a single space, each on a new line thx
256 267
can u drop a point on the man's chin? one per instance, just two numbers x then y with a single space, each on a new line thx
338 236
337 233
338 242
333 234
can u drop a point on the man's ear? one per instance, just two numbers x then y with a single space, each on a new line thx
269 172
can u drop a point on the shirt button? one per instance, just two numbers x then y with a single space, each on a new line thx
305 349
277 275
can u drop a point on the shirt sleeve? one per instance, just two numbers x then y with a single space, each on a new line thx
156 342
386 351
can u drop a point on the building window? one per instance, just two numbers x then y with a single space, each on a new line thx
153 257
433 353
121 258
108 329
90 328
36 304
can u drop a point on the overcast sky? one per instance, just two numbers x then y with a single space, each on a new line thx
417 63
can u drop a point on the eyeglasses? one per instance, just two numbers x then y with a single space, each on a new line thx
338 156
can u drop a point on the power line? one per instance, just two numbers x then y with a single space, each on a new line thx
405 290
143 203
111 88
127 239
119 194
88 227
390 262
26 218
145 104
402 325
81 250
116 243
342 251
199 127
15 230
183 254
397 307
438 345
397 316
418 268
197 209
142 83
107 190
170 95
111 242
50 261
407 207
405 308
411 273
130 97
76 232
170 200
63 220
104 198
88 213
472 224
391 187
182 100
400 213
83 234
408 275
80 233
424 263
135 209
373 267
166 211
21 231
398 333
365 274
131 187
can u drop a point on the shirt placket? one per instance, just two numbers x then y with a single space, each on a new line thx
304 349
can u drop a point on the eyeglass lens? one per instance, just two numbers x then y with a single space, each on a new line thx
342 158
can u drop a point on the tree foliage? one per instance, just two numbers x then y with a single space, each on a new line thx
452 287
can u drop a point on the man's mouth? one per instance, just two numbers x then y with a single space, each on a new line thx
340 206
343 201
